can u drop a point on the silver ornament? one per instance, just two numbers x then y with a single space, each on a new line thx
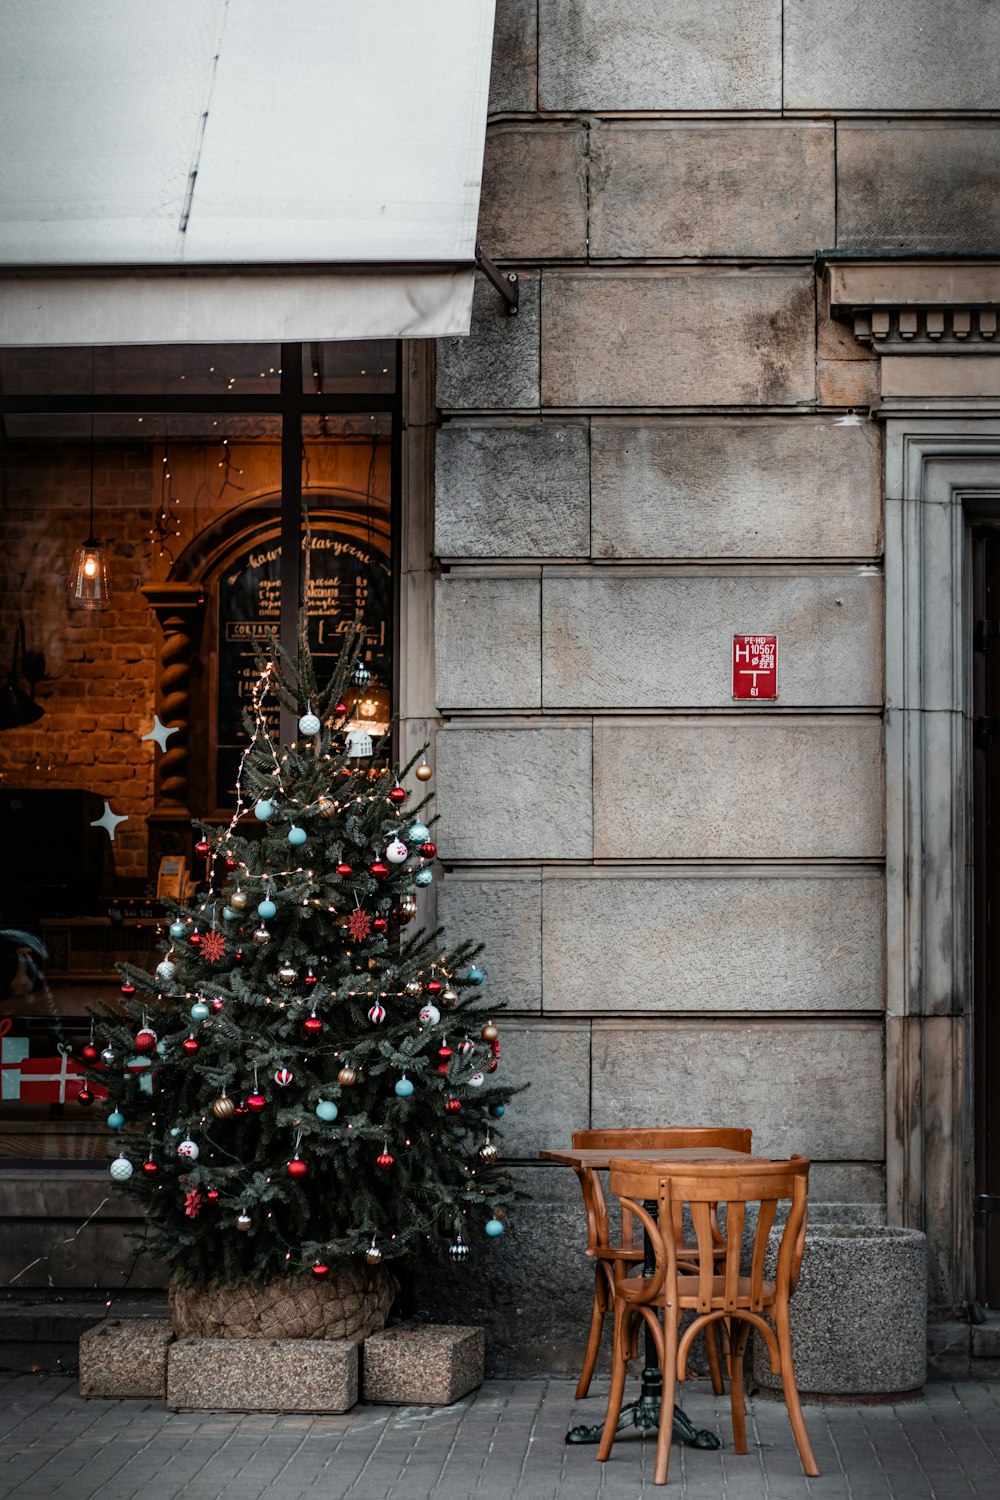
287 975
243 1221
459 1250
261 935
488 1152
309 724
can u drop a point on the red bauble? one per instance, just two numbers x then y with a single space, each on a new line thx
84 1096
444 1051
195 939
433 986
385 1162
238 956
310 980
297 1167
230 865
217 1004
379 870
340 710
495 1047
344 869
312 1025
320 1270
443 1069
190 1045
428 850
398 795
128 988
255 1103
402 917
492 1065
453 1106
150 1168
145 1040
203 847
212 1195
380 924
89 1052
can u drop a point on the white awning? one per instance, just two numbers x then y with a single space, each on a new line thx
250 170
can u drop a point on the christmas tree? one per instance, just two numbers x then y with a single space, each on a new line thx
304 1078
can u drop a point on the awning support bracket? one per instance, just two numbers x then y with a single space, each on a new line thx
505 283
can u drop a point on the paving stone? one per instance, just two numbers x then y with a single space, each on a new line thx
873 55
674 189
534 197
125 1358
422 1364
470 672
676 337
275 1375
515 491
497 364
770 487
918 185
641 54
506 917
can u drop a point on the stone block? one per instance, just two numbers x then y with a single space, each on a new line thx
677 337
470 671
506 916
635 639
534 198
531 1289
514 77
849 1182
279 1375
767 487
512 491
919 185
520 792
815 1087
948 1351
792 942
553 1058
673 189
847 382
859 1313
643 55
727 788
874 55
498 363
422 1364
123 1359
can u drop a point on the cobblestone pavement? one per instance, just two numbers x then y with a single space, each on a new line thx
505 1442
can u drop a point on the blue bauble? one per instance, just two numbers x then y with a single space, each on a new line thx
177 929
494 1228
419 833
297 835
327 1110
199 1011
404 1088
423 877
116 1120
496 1110
228 915
475 976
267 909
263 810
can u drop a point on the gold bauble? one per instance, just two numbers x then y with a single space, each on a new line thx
373 1255
489 1032
423 772
500 1213
287 975
325 807
347 1076
449 998
238 900
488 1152
223 1108
414 987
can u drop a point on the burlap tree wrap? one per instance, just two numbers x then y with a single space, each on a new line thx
349 1304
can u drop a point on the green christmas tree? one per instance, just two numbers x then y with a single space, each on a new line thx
304 1077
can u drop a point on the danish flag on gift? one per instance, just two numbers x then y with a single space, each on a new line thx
41 1080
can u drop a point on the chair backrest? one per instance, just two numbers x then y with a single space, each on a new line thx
702 1187
677 1137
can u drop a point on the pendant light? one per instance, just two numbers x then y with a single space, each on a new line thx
89 583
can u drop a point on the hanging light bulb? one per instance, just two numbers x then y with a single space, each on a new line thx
89 583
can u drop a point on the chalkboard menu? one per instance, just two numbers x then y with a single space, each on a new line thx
349 574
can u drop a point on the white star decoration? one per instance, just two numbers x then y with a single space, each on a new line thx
160 733
109 821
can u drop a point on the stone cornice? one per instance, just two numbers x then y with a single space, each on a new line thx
925 304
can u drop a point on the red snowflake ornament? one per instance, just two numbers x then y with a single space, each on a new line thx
192 1204
213 946
359 925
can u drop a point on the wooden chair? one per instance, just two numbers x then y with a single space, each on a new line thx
611 1256
717 1293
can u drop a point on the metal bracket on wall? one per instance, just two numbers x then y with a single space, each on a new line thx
505 283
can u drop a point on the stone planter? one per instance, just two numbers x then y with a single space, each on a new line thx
353 1301
859 1313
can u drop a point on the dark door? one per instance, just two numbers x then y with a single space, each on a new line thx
986 841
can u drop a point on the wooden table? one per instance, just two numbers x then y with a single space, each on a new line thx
645 1412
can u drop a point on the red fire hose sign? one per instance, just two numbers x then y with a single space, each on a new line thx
755 666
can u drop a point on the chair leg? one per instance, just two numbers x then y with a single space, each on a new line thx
714 1366
668 1369
594 1337
619 1371
736 1395
783 1329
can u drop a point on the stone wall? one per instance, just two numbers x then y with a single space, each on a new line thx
682 897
